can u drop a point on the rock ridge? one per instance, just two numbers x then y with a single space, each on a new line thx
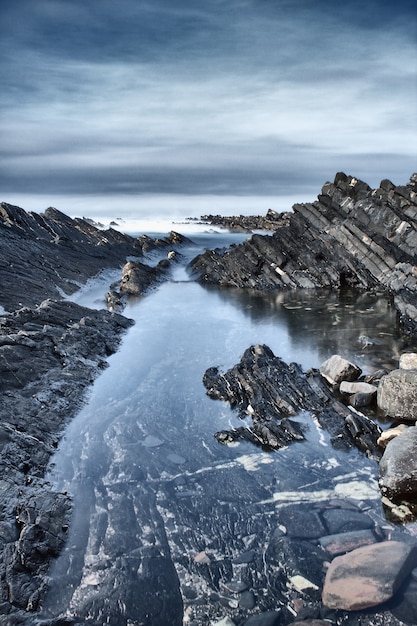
351 236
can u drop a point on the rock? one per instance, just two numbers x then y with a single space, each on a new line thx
301 522
397 394
368 576
347 541
391 433
408 361
298 558
138 277
343 520
269 390
398 469
352 236
351 388
268 618
337 369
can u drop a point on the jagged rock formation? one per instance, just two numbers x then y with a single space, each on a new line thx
265 389
352 236
44 255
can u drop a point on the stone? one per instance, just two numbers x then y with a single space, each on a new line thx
247 600
361 393
391 433
268 618
345 542
397 394
351 388
397 467
408 361
300 522
342 520
368 576
337 369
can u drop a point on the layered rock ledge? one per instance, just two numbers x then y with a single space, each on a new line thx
351 236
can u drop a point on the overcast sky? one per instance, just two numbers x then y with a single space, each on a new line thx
224 99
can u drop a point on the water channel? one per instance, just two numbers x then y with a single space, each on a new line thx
162 512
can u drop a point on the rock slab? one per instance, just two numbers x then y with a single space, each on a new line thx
397 394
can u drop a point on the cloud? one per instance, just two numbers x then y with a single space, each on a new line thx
231 96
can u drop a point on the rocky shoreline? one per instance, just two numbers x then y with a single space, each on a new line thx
53 349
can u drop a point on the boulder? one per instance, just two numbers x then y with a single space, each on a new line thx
337 369
397 394
368 576
345 542
408 361
361 394
398 468
391 433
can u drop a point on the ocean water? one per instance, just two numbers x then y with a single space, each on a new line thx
150 482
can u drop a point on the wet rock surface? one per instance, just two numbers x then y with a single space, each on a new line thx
265 389
49 356
352 236
51 350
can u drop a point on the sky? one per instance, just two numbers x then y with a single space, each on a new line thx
154 107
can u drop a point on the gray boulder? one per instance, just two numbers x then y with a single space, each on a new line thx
398 467
337 369
397 394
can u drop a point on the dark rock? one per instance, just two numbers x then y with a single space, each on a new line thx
263 387
138 277
298 558
352 236
301 522
342 520
347 541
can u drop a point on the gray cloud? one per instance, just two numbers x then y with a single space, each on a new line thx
234 97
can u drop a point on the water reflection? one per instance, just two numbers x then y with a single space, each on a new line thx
361 326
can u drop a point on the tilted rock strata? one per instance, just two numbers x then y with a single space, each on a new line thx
352 236
267 390
47 254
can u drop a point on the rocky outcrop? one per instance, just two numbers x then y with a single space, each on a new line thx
49 255
51 350
49 355
352 236
267 391
246 223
